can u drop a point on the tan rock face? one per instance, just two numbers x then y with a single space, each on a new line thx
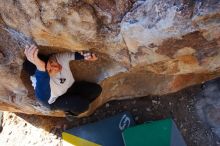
144 47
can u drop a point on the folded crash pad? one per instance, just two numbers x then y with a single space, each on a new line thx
107 132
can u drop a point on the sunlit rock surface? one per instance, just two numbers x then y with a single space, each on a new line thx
144 47
23 132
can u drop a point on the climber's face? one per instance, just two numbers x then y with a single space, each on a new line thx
53 67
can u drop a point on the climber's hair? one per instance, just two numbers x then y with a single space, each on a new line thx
30 68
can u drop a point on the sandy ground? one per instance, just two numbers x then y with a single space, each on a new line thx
27 130
18 132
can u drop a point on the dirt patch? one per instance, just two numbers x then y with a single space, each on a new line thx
208 105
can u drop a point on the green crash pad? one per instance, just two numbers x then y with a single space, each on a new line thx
157 133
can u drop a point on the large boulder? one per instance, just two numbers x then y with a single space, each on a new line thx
148 47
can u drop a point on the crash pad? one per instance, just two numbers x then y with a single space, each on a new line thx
107 132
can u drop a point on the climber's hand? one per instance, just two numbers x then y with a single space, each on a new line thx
89 56
31 53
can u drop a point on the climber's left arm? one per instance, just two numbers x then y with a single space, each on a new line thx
65 58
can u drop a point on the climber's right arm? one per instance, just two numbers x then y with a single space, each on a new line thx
42 89
31 53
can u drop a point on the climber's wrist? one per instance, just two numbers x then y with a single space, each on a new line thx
79 56
41 66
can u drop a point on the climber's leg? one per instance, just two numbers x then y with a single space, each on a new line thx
86 90
70 102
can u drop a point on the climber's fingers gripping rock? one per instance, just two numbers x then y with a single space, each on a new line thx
31 53
89 56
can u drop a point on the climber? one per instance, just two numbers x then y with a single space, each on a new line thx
54 84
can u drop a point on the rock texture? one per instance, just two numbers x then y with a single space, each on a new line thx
144 47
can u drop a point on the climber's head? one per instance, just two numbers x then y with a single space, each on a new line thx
52 66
